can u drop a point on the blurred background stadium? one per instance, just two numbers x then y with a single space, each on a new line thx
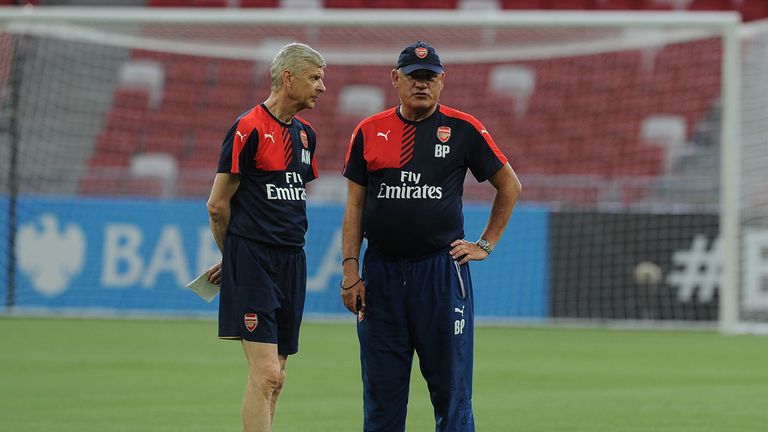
639 129
112 120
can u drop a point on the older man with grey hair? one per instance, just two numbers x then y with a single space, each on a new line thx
257 212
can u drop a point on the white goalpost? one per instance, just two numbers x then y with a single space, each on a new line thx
750 281
625 127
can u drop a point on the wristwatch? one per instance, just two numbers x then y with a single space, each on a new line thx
483 243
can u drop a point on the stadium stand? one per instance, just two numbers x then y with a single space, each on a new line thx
543 129
182 105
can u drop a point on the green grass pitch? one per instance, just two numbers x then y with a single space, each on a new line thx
81 375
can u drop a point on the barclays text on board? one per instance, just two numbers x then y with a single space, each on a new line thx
136 256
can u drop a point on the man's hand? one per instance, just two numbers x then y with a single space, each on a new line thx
214 274
350 296
464 251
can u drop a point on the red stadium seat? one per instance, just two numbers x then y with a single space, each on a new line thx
389 4
623 4
642 161
123 120
346 4
184 95
130 98
710 5
115 148
230 99
188 3
524 4
661 5
208 3
167 3
633 5
753 9
437 4
259 3
411 4
168 132
573 4
206 146
173 142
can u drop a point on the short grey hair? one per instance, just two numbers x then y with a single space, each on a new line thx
295 57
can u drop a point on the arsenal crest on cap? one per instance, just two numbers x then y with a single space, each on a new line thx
419 56
443 133
251 321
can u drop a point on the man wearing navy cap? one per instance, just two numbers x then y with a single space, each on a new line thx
405 168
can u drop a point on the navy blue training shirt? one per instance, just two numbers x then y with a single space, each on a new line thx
274 161
414 173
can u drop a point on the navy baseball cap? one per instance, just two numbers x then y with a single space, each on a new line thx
419 56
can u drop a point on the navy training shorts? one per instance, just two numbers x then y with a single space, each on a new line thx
262 293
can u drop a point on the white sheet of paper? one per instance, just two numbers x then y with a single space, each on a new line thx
206 290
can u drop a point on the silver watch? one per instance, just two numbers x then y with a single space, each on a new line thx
484 245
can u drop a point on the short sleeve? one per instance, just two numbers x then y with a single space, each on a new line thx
484 157
236 150
312 138
355 167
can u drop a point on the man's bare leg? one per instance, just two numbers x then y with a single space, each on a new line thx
265 379
276 393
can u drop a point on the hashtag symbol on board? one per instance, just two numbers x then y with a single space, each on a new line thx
697 267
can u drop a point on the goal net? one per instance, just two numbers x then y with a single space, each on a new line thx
751 311
112 122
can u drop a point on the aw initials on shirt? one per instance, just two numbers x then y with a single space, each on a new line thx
306 156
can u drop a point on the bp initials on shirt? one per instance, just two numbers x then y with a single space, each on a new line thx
442 150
